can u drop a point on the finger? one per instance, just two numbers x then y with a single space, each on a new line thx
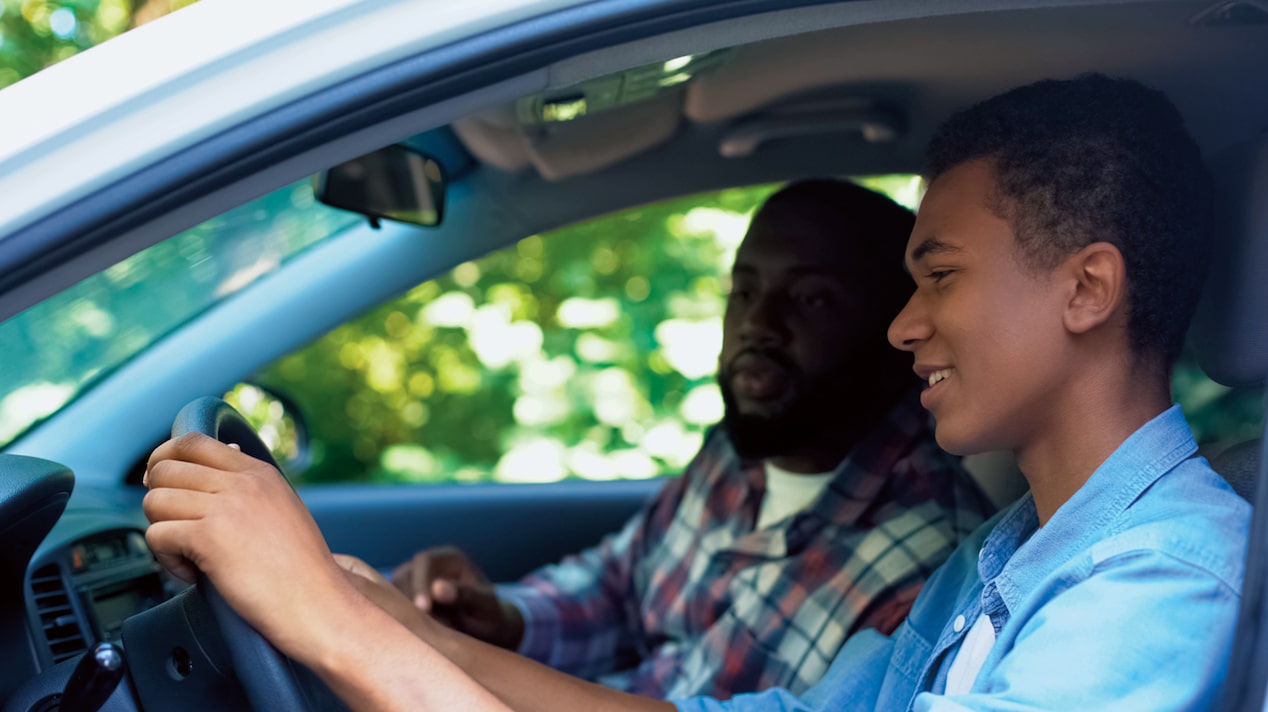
420 580
204 450
168 504
403 580
401 576
181 475
168 541
445 591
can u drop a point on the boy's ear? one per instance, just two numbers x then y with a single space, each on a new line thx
1099 281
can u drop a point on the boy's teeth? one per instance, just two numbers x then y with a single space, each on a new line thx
937 376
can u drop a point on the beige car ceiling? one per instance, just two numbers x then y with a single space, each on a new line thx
890 81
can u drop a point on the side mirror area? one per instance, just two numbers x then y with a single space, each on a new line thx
278 422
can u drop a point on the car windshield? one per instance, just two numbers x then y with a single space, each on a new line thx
57 349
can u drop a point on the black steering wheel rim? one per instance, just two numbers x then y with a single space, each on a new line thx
270 680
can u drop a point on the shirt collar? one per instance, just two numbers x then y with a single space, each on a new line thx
857 480
865 470
1021 554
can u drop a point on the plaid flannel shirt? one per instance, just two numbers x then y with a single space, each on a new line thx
688 599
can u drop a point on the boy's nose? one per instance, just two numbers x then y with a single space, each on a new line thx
910 327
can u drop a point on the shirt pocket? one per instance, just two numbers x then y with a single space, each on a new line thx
911 654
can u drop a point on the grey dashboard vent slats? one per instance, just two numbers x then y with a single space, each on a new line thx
61 626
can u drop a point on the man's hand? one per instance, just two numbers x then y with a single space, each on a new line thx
442 581
218 510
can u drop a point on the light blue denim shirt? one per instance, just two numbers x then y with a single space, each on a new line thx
1125 600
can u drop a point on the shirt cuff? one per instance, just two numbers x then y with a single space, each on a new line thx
541 620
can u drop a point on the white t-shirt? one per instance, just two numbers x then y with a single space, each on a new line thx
789 492
968 660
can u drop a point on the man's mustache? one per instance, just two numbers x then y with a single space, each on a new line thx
779 358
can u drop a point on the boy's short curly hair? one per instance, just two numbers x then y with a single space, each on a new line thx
1097 159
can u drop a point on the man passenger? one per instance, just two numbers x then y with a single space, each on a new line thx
1057 258
816 510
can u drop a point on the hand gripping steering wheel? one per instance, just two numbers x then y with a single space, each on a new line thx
271 680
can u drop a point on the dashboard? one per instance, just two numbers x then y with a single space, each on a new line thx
90 622
72 571
79 594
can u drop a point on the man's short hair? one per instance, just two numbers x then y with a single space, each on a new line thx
1097 159
873 231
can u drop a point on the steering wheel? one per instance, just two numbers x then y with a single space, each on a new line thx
270 680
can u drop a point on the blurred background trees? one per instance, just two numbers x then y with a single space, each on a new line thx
35 34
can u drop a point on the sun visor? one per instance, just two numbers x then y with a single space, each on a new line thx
589 143
501 146
580 145
1230 332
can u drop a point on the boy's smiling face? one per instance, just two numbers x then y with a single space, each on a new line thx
986 331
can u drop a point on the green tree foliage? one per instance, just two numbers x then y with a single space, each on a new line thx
63 345
35 34
587 352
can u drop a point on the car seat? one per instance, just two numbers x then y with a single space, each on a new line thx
1228 332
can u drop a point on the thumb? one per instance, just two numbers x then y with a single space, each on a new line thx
446 591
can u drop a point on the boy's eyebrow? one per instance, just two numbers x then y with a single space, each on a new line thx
932 246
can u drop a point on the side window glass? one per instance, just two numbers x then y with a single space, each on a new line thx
588 352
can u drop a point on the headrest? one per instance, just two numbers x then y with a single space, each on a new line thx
1230 331
1239 466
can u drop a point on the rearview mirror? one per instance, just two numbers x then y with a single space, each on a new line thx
394 183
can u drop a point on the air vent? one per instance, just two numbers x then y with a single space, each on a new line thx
61 626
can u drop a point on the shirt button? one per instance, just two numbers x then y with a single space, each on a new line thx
958 625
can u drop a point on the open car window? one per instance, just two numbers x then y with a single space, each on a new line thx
57 349
588 352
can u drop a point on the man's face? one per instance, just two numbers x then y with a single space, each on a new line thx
984 328
792 333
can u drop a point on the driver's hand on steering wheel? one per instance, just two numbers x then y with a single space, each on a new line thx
216 509
444 582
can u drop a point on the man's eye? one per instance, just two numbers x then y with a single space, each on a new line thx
815 299
939 275
740 295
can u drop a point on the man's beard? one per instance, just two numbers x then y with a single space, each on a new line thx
809 408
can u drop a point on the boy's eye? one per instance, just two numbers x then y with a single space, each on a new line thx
939 275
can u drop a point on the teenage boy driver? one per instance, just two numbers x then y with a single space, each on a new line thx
1057 258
